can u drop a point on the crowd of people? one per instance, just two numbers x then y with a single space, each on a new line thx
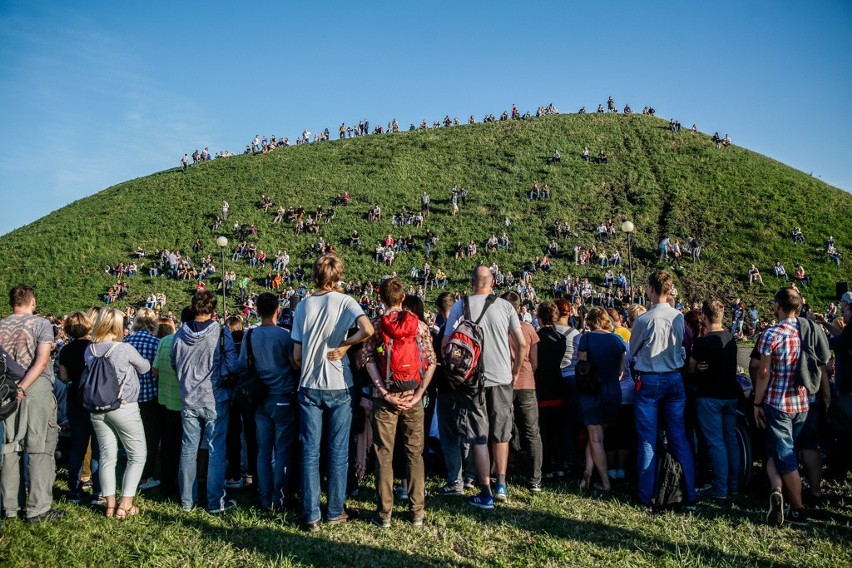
579 388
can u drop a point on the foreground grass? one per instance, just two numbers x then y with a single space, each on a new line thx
558 527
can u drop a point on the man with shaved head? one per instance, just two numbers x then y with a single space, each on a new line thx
486 417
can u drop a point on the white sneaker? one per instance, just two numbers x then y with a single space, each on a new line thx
149 483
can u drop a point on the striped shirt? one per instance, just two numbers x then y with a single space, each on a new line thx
146 344
783 344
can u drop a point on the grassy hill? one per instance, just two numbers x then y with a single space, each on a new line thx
741 205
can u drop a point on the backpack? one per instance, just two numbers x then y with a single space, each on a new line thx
10 373
669 481
813 354
99 387
462 352
402 361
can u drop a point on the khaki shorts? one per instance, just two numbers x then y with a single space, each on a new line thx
485 417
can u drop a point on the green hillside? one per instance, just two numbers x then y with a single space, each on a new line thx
741 205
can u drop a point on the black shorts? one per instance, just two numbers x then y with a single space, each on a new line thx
485 417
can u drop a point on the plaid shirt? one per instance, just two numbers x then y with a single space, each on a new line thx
783 344
146 344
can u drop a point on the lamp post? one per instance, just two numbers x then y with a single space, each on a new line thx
222 241
627 227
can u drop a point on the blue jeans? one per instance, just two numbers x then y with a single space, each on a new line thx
277 420
717 419
336 407
81 434
456 451
213 422
782 430
661 392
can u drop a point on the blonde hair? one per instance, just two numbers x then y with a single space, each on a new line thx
109 326
598 318
328 272
146 319
77 325
635 312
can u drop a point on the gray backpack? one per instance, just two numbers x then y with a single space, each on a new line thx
99 387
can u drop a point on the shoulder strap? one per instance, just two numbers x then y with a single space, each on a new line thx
488 301
466 308
250 352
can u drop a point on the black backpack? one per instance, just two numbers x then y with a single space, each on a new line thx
10 373
669 480
99 387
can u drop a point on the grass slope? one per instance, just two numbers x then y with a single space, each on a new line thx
740 204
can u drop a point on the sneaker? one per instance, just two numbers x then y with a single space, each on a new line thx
74 498
49 515
248 480
797 517
98 501
401 493
234 483
149 483
452 490
380 522
775 516
469 484
482 501
534 487
229 504
86 485
690 506
418 520
500 494
311 527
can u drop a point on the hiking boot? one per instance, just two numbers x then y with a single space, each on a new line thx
345 516
482 501
149 483
797 517
49 515
452 490
500 494
380 522
775 516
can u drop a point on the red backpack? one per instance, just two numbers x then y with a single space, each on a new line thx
402 355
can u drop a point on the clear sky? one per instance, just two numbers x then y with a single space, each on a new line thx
94 93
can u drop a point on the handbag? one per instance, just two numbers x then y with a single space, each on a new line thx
586 374
250 390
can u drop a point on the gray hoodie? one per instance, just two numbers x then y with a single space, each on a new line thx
195 356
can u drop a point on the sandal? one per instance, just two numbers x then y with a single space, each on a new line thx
122 514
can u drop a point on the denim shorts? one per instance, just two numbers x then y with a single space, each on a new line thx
782 430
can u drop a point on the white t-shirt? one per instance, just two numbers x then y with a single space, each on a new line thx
498 322
320 324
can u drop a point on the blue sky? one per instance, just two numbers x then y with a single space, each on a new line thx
94 93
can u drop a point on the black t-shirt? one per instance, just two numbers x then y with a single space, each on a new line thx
71 357
719 350
548 374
